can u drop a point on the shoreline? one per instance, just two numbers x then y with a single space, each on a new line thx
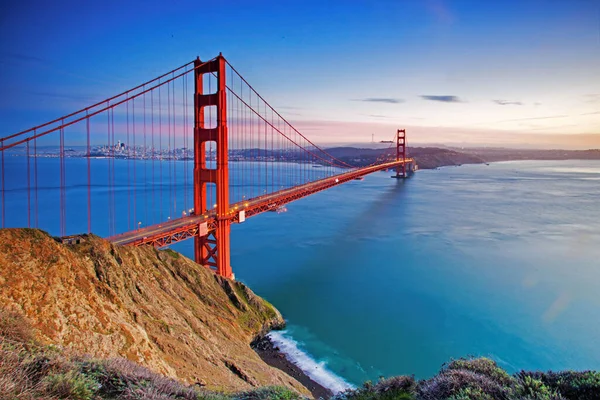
271 355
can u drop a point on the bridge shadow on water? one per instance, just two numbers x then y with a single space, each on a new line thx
331 255
372 223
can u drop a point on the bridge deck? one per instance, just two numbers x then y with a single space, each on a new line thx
179 229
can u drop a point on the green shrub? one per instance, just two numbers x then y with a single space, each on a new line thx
534 389
395 388
483 366
471 393
571 385
450 382
70 385
269 393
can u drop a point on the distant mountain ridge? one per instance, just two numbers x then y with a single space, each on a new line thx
434 157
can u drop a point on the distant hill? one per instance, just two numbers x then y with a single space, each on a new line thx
502 154
434 157
426 157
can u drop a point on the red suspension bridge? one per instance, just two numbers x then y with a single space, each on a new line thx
189 153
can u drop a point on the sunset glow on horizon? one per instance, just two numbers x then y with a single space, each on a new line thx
515 73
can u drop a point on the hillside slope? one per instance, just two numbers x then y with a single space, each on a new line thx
156 308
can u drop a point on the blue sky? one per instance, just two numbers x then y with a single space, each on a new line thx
517 72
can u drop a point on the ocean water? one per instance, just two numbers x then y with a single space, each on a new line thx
384 277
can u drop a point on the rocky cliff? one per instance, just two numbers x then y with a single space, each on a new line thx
156 308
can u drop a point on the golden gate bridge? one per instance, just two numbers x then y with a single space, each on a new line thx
247 159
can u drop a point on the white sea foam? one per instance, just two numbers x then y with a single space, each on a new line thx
316 370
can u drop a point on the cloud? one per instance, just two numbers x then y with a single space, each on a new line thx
376 115
388 100
443 99
21 57
592 98
591 113
57 95
534 118
507 103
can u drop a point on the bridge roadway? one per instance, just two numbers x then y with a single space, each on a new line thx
163 234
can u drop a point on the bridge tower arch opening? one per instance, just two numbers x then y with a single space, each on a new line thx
212 244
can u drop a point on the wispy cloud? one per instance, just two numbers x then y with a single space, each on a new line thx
592 98
443 99
377 116
591 113
389 100
507 103
534 118
57 95
21 57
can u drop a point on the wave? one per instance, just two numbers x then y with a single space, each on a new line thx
316 370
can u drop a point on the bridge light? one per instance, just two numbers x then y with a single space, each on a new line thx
215 205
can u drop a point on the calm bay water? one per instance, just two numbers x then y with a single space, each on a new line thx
380 277
384 277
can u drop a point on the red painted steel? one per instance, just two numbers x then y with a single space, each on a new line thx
209 225
192 226
212 250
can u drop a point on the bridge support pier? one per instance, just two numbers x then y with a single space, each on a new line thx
212 249
401 154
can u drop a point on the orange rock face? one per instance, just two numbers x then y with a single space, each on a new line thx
156 308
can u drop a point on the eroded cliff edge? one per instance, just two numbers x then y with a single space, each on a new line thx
156 308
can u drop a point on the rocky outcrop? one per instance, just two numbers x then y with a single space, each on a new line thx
156 308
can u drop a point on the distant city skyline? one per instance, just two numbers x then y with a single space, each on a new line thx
502 73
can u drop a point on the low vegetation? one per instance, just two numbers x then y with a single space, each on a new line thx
482 379
30 370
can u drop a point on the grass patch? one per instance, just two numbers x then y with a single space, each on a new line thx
172 253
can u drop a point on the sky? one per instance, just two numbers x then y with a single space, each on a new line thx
521 73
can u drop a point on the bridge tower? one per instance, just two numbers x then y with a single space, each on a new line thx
400 154
212 249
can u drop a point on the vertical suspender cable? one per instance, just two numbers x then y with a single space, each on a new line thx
108 174
185 140
128 171
63 208
169 150
28 187
35 179
135 224
273 153
152 153
89 177
174 152
112 172
160 160
145 164
266 155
